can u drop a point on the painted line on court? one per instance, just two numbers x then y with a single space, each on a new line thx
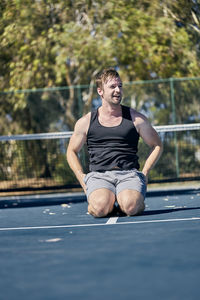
99 224
112 220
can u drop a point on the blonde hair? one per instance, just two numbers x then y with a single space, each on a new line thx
103 76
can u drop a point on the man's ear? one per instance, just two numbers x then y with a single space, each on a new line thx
99 91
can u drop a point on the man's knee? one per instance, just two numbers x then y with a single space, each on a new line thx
101 204
98 211
131 203
134 207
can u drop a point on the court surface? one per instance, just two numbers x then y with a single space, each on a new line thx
51 248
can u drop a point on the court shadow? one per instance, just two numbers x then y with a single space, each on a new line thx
118 213
166 211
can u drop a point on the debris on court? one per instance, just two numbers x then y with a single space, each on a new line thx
51 240
64 205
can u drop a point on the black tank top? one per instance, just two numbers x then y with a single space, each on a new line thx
112 148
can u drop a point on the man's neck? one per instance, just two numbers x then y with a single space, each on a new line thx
110 110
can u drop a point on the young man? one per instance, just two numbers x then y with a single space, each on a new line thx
112 133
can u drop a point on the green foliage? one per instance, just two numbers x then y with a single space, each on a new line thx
53 43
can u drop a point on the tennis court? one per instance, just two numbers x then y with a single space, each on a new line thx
52 249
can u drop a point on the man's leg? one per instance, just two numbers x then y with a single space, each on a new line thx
131 202
101 202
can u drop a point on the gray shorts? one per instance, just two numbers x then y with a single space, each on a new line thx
116 181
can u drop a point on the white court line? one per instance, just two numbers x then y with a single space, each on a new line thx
112 220
99 224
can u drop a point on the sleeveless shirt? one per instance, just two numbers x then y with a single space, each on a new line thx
112 148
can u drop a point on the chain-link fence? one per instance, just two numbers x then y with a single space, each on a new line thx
164 102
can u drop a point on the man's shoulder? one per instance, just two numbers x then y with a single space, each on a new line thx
85 118
83 123
139 120
136 115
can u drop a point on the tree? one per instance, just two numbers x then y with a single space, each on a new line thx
51 43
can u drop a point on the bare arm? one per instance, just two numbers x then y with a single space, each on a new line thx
152 139
76 143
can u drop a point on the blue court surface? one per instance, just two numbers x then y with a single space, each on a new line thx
51 248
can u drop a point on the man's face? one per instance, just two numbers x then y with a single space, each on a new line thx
112 91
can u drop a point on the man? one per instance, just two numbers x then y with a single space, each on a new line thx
112 133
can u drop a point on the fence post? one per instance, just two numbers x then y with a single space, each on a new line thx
80 103
171 80
80 114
